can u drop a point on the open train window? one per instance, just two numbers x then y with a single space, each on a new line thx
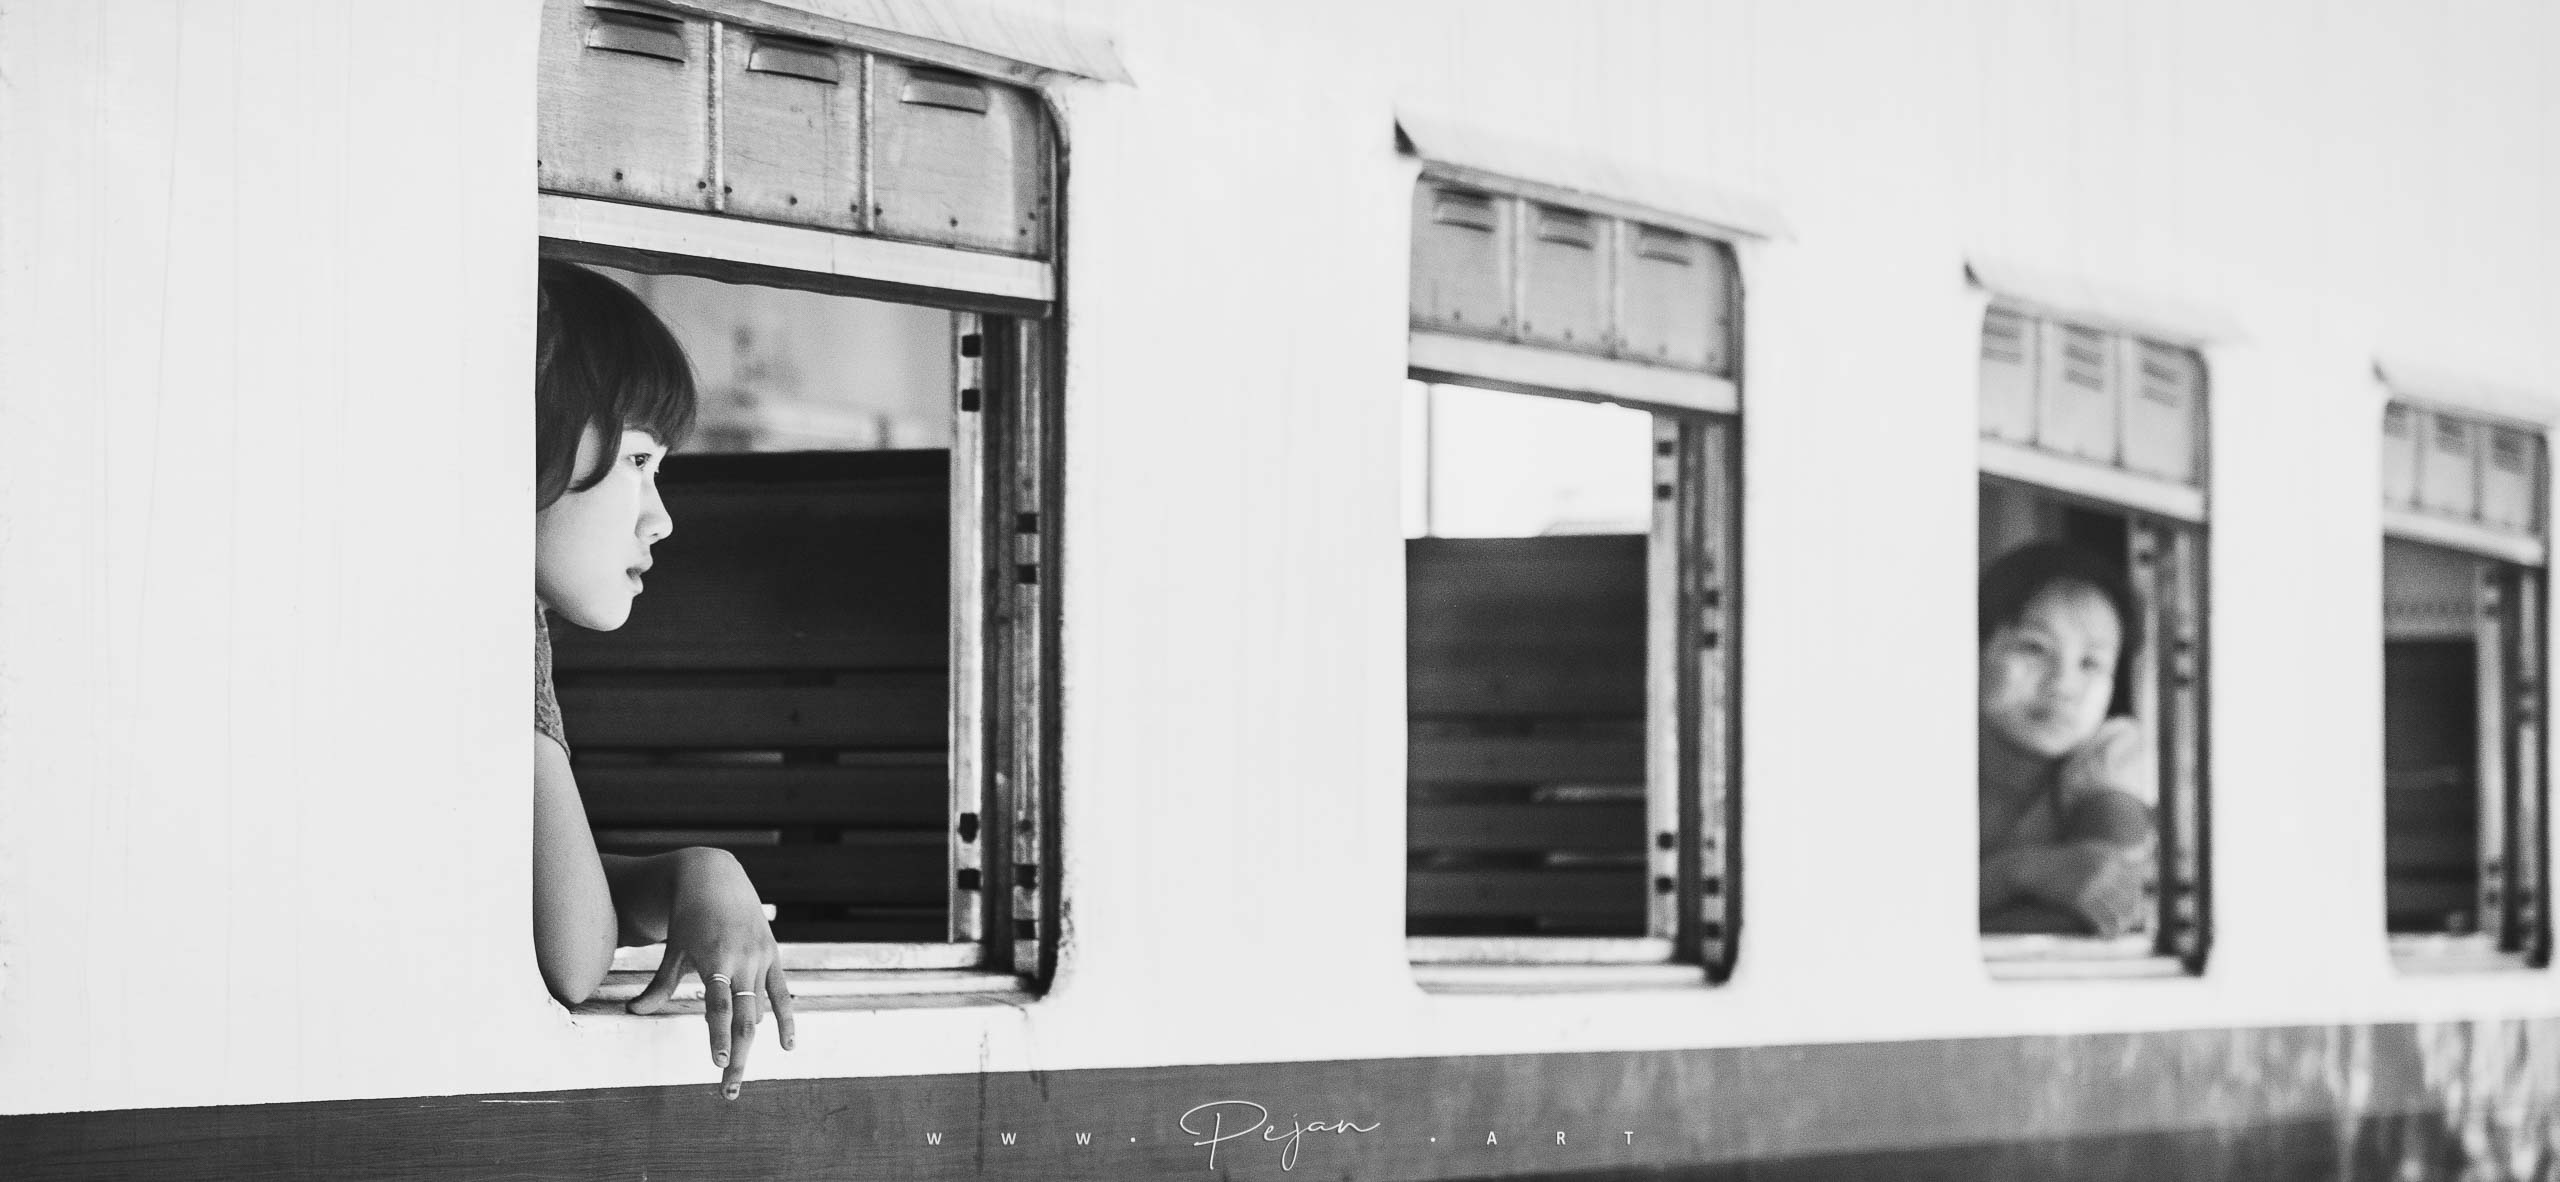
1570 524
842 669
2092 766
2465 790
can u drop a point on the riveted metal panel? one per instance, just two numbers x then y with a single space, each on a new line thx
958 160
625 108
2448 466
1462 259
1564 297
2399 456
1675 303
2076 391
2164 412
2510 479
2009 341
790 129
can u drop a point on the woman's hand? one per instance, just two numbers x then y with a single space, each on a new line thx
716 925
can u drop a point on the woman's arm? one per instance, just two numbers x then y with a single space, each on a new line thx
696 900
2098 882
573 906
2109 817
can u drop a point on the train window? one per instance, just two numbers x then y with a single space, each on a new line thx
842 668
1569 513
2091 778
2465 790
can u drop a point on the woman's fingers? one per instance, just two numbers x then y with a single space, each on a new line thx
777 986
716 1008
742 1038
662 986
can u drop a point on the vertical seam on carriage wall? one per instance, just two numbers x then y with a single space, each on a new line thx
715 169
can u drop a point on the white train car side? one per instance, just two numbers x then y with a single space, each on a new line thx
266 320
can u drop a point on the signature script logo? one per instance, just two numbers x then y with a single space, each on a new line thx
1209 1122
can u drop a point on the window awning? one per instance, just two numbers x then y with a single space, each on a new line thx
2443 389
1546 172
978 38
2069 298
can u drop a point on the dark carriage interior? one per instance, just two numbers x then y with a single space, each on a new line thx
2430 741
781 690
1526 744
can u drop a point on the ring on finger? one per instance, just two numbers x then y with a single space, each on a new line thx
742 993
719 978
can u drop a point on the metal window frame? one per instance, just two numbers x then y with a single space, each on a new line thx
2165 533
2528 922
1003 704
2509 602
2165 562
1691 734
1693 660
2490 660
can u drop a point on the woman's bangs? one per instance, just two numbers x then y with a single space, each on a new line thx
659 399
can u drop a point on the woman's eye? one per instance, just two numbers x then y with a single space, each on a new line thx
640 459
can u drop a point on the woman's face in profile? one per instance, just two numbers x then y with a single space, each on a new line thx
591 546
2047 677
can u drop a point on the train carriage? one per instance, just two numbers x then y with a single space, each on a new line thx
1362 591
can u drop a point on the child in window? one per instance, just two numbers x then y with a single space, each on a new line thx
612 394
2066 831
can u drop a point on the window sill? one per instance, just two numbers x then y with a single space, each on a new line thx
799 958
1537 950
831 989
1554 978
2431 955
2076 958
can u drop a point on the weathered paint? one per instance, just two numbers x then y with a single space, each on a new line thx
265 313
2474 1100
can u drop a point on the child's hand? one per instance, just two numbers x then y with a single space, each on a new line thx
2112 758
716 924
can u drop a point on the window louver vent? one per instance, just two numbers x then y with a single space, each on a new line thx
2084 358
2164 378
2004 338
2453 436
2509 452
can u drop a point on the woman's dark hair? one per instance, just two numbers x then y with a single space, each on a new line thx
2020 575
601 360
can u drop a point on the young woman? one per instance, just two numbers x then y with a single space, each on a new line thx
2066 835
612 393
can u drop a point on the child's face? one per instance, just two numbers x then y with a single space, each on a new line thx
590 547
2047 678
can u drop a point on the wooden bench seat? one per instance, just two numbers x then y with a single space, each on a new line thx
1525 758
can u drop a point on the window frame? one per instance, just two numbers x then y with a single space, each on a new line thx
1693 592
2509 586
1005 523
1002 703
2168 533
